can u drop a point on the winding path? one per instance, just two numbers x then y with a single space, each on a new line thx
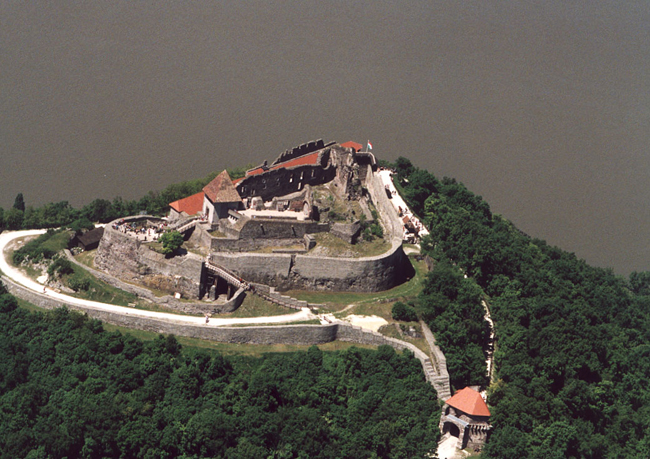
19 277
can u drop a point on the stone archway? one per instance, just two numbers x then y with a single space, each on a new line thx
451 428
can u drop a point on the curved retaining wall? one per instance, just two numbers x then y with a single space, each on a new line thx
285 271
281 334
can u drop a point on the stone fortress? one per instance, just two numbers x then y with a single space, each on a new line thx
263 229
260 232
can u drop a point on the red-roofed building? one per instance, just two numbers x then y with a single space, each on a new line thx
355 146
466 416
220 197
191 205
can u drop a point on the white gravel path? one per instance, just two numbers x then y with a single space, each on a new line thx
18 276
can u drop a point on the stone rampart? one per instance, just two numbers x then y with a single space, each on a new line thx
263 228
439 363
280 334
369 274
255 267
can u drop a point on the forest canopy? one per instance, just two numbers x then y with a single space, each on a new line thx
573 341
70 389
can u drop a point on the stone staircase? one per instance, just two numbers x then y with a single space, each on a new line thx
185 224
221 272
261 290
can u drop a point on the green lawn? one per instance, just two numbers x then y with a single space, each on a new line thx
254 306
58 241
87 258
335 245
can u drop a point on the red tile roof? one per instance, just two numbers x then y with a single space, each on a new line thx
310 159
191 205
469 401
255 171
221 189
350 144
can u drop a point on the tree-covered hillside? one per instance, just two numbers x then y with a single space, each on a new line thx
70 389
573 357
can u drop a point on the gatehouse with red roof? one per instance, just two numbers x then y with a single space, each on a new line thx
466 416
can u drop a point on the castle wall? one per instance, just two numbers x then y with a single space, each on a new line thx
127 258
369 274
243 245
318 273
263 268
280 334
166 300
255 234
283 181
300 150
280 229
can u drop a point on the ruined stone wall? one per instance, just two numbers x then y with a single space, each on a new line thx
119 252
263 268
245 245
370 274
263 228
271 233
300 150
284 181
128 259
165 300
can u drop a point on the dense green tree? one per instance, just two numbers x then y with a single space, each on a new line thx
401 311
567 333
80 225
14 219
76 390
171 241
19 202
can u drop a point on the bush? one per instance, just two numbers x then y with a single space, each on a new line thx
78 282
404 312
34 250
81 224
171 242
60 266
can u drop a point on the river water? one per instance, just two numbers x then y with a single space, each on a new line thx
541 107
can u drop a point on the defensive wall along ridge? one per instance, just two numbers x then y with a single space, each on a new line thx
279 334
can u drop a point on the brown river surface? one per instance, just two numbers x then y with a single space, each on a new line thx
541 107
